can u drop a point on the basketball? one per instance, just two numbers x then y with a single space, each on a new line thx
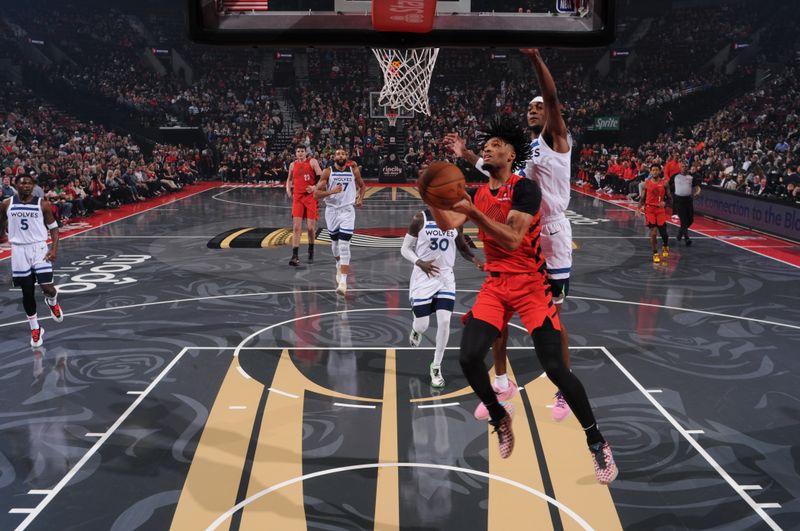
442 185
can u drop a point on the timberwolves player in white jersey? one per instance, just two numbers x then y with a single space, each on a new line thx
433 284
549 166
29 220
342 188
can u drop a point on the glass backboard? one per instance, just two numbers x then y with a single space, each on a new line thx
465 23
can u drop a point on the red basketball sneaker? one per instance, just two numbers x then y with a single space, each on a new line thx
55 311
37 337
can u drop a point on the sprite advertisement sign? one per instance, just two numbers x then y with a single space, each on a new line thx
605 123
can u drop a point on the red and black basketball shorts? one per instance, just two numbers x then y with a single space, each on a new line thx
305 206
526 294
655 216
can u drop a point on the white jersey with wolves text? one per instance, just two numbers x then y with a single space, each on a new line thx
347 180
551 171
26 222
436 244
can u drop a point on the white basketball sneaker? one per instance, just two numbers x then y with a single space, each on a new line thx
341 288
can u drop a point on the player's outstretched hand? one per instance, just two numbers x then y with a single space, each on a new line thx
478 263
455 143
336 189
310 189
428 267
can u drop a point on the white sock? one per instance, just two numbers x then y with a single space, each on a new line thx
33 320
442 335
343 278
53 301
501 381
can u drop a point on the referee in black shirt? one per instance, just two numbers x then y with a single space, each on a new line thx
685 189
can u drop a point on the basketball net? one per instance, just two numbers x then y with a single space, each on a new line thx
406 73
406 77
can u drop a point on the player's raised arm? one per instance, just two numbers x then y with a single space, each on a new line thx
555 129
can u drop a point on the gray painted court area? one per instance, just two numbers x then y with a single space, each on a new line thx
691 366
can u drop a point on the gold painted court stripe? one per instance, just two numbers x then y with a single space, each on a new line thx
269 238
464 391
279 457
394 193
569 463
387 498
216 470
226 243
372 190
509 507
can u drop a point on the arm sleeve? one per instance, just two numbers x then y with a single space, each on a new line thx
527 197
479 167
407 250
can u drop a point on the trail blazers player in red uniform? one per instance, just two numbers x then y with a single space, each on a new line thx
506 211
654 201
300 186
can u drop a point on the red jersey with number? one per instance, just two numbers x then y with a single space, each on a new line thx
527 257
655 193
302 177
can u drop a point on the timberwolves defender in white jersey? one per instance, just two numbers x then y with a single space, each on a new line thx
343 190
29 220
551 170
433 284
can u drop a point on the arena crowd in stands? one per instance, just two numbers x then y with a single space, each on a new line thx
81 167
